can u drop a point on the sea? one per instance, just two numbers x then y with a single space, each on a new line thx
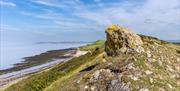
14 52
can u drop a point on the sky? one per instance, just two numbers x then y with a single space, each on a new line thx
57 20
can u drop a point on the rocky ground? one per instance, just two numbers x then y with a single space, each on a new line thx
131 62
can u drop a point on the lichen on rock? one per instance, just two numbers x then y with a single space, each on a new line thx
121 40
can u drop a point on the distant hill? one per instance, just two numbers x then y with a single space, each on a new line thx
64 42
174 41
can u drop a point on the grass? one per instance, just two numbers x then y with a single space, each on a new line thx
92 47
56 86
40 81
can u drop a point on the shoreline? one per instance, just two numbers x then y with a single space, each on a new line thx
13 77
10 78
40 59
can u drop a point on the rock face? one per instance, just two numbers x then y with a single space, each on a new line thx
121 40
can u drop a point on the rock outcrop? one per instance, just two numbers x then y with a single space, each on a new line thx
105 80
121 40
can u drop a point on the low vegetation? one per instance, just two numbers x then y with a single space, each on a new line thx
39 81
92 47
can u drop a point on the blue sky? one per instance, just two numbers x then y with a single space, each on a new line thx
55 20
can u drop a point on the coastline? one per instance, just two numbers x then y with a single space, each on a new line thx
40 59
10 78
13 77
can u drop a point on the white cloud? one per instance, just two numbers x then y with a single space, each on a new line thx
146 16
47 3
63 4
4 3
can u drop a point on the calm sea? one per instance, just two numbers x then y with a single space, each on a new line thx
11 53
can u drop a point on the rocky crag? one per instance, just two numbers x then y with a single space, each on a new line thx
120 40
136 63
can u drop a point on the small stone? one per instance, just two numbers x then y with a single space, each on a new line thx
159 63
103 60
123 50
134 59
139 49
110 63
148 54
130 66
151 60
161 89
178 59
95 76
144 89
86 87
78 81
151 80
169 68
178 83
113 82
93 88
170 86
133 77
148 72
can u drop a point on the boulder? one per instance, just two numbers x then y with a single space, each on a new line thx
121 40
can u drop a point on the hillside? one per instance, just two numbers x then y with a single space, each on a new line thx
124 62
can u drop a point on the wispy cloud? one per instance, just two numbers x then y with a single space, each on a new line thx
145 16
5 3
63 4
47 3
5 28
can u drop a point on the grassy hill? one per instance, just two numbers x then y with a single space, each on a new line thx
61 72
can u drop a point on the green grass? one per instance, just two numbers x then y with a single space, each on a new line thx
92 47
39 81
61 82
